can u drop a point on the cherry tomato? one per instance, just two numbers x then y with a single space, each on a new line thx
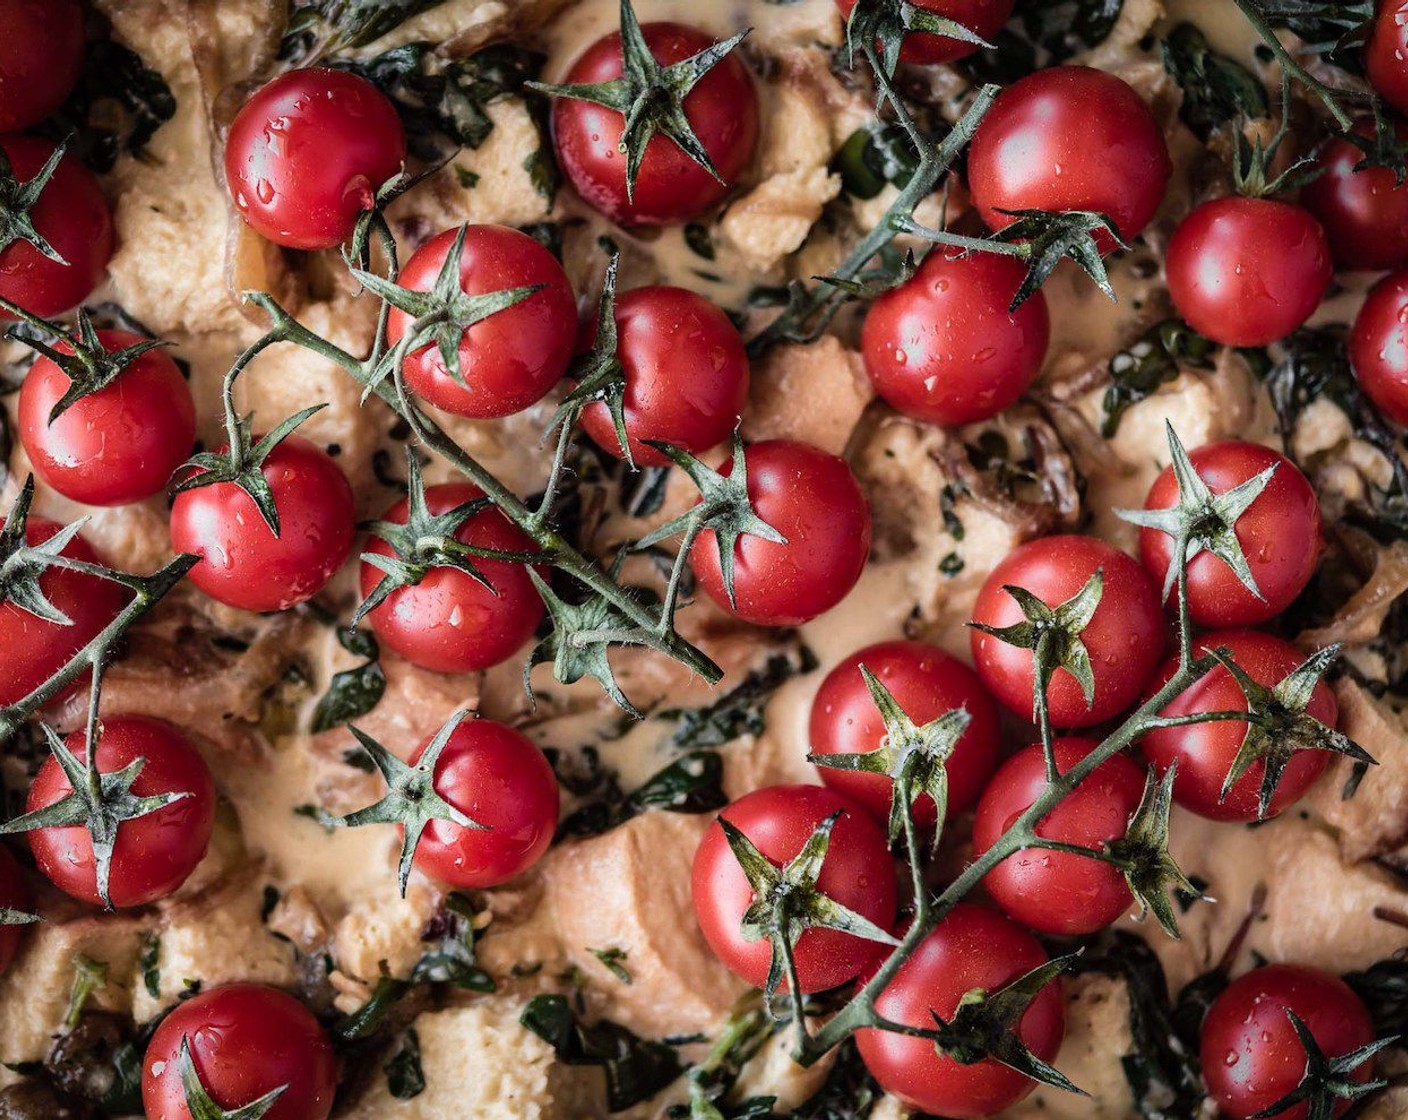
1205 751
153 854
14 895
243 564
1279 534
1386 50
1058 892
497 777
1247 271
686 374
1378 346
1251 1055
670 187
118 445
972 949
35 649
858 872
1364 213
307 153
245 1041
1124 639
926 682
815 502
512 358
985 18
943 347
73 216
41 58
1070 138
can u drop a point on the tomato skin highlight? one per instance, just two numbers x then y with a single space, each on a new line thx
1378 346
670 187
41 58
1364 213
985 18
926 682
1204 751
14 895
1251 1056
944 347
1386 50
307 153
245 1040
1279 534
858 872
499 778
973 947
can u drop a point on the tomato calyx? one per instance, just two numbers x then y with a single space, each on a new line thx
1143 858
887 22
22 564
649 96
1382 148
599 374
411 798
202 1106
18 199
1327 1081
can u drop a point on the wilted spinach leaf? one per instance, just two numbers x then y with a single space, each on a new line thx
1383 987
692 784
352 692
1042 33
1215 89
317 28
874 155
451 960
404 1076
1153 360
739 711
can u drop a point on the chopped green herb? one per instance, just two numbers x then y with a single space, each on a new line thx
405 1078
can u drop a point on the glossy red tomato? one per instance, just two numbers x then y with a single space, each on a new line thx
686 374
1364 213
670 187
14 895
73 216
1386 50
1251 1055
35 649
858 872
984 18
973 949
1378 346
497 777
512 358
41 58
450 622
1070 138
118 445
307 153
153 854
243 564
1205 751
245 1041
1125 637
1058 892
943 347
926 682
1247 271
1279 534
815 502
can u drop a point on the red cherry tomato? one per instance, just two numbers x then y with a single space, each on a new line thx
815 502
686 374
926 682
41 58
118 445
1247 271
307 153
1378 346
1058 892
1125 637
985 18
1279 534
153 854
1205 751
1251 1055
245 1041
1070 138
858 872
243 564
512 358
1386 50
1364 213
73 216
670 187
943 347
497 777
35 649
14 895
972 949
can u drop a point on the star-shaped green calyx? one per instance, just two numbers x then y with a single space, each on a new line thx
883 24
199 1102
411 798
915 758
17 201
22 564
1142 855
649 96
101 803
787 901
985 1026
1327 1082
1047 237
1279 726
1201 521
599 375
1382 147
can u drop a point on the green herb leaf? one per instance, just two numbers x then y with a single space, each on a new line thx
451 959
692 784
739 711
1216 90
148 964
351 693
1042 33
317 28
405 1079
1156 358
117 106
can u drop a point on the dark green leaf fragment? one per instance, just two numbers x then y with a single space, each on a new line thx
1153 360
1216 90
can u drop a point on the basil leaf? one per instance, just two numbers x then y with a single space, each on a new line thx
353 692
405 1078
1216 90
874 155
